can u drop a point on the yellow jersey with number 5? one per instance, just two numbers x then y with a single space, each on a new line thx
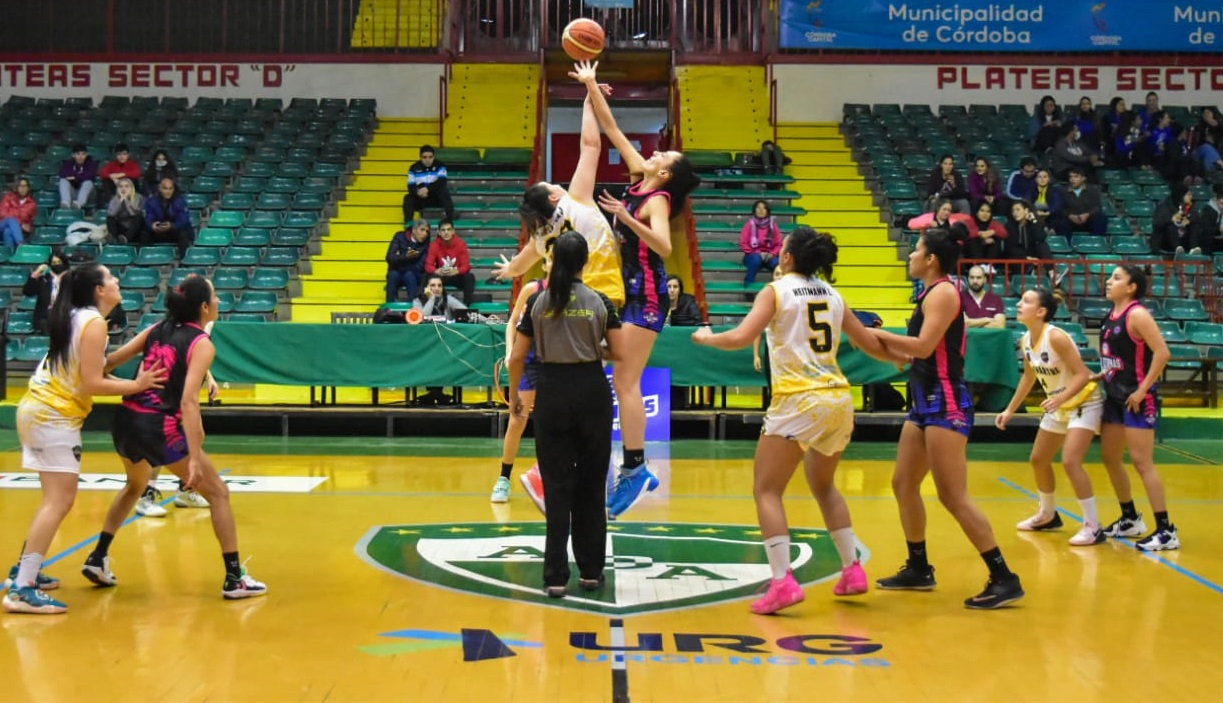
804 335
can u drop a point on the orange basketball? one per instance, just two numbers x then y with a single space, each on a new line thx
583 39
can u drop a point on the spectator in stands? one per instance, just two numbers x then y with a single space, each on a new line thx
160 167
449 258
427 186
1129 148
1146 113
167 218
1085 120
946 183
1161 134
125 214
405 260
1082 209
434 301
985 235
17 213
760 241
76 178
1022 183
982 307
42 285
1110 126
122 166
772 158
1026 237
1070 151
1208 123
1207 153
941 217
1047 204
984 183
1210 223
1176 226
684 310
1179 162
1046 125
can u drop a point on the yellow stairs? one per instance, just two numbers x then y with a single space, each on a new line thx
870 272
350 272
403 24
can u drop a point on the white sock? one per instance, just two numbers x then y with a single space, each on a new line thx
1048 503
778 551
27 569
844 539
1090 515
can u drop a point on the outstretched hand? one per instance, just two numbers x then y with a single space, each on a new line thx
611 204
501 269
584 71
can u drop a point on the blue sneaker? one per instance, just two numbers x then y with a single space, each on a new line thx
629 490
28 599
42 582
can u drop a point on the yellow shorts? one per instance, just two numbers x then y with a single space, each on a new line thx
819 420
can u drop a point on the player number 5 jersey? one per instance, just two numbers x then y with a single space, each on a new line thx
804 335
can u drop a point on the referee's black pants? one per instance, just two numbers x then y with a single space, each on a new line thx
573 428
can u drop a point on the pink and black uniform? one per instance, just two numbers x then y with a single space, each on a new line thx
937 389
645 275
1125 362
149 425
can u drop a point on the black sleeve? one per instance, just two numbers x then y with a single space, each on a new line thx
613 316
526 326
687 312
30 287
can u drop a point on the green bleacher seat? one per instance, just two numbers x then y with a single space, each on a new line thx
31 254
718 245
6 298
1129 246
1204 333
240 256
214 237
280 184
238 201
279 256
251 237
180 274
709 159
324 170
140 278
227 219
248 184
268 219
729 309
133 300
1185 358
117 255
1091 244
218 169
226 301
1172 332
309 201
273 201
1185 310
257 301
147 320
316 185
301 219
507 157
12 349
1058 245
6 253
457 156
202 256
230 278
290 237
156 255
269 279
207 184
20 323
246 317
33 348
27 302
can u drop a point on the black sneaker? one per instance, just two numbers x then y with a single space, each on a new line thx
997 593
909 578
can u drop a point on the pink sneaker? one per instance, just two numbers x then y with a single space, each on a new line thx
780 594
853 581
534 485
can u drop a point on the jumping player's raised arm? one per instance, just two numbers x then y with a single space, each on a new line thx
582 185
584 71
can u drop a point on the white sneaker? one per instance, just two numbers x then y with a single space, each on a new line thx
1089 534
98 571
148 506
190 499
1125 527
1195 251
501 491
1160 540
244 587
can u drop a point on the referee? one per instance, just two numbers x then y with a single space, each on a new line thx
568 322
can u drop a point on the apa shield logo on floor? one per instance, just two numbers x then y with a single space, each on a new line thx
650 566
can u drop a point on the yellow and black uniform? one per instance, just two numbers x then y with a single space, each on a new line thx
1085 410
811 401
602 271
573 426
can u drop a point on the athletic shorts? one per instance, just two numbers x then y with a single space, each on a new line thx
152 437
51 447
1116 413
641 312
1085 417
819 420
940 406
530 378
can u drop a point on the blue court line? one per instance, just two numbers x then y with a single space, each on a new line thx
85 543
439 636
1153 556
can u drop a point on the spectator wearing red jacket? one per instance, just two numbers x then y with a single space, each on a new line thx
450 259
17 212
122 166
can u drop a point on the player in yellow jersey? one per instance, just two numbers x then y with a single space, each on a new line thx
1074 408
548 211
811 416
50 416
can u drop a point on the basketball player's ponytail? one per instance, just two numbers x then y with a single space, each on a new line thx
537 207
183 303
812 253
569 255
77 289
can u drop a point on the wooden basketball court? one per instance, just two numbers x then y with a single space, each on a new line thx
392 578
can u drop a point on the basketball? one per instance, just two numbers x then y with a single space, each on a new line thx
582 39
